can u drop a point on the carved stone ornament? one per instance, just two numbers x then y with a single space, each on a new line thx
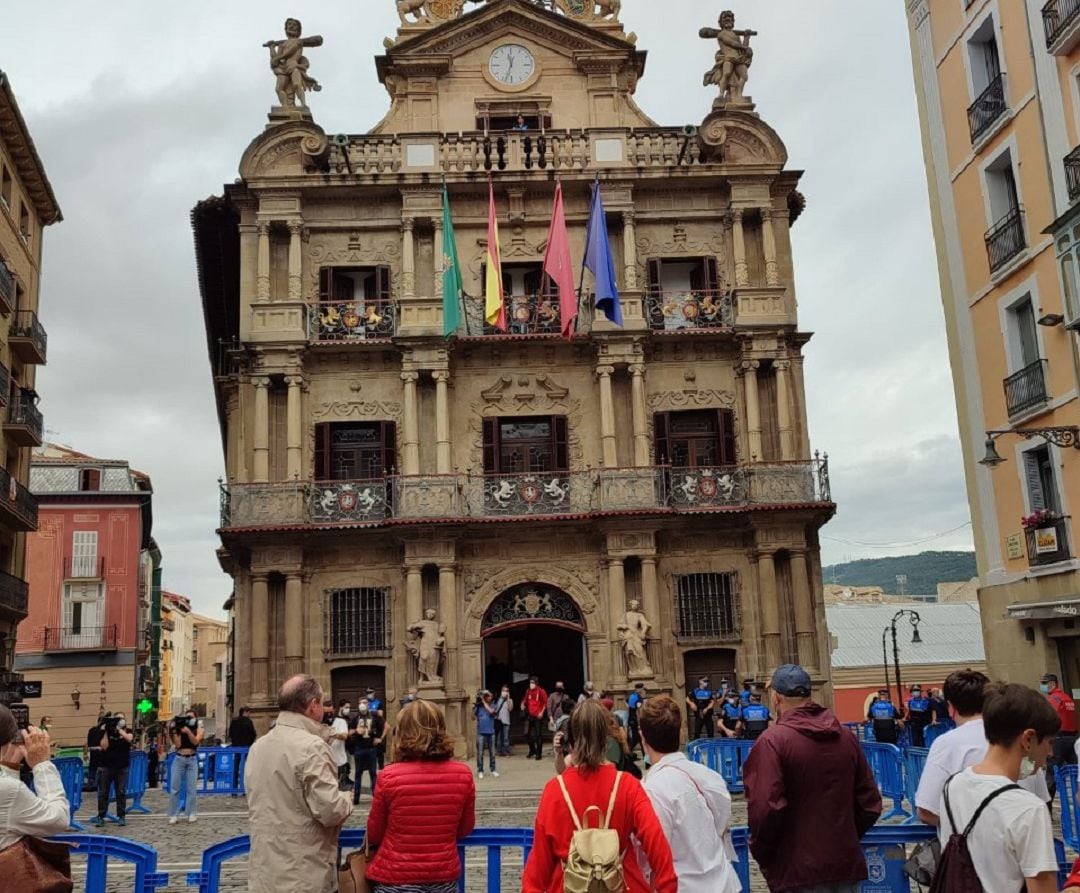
526 394
532 602
733 60
427 640
483 588
736 136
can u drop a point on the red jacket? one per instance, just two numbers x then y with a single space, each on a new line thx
535 702
1065 707
811 797
422 808
633 814
1073 880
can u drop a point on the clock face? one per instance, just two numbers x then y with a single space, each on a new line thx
512 64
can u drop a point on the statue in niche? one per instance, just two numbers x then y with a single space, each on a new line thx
733 59
427 638
634 632
288 62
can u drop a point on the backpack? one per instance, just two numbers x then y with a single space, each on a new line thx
956 870
594 862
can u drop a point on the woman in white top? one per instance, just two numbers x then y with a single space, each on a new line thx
23 812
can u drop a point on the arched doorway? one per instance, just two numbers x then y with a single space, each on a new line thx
533 630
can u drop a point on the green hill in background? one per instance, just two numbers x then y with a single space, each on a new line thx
924 571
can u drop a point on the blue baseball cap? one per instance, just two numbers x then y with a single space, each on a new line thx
791 681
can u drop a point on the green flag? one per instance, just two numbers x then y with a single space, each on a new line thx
451 281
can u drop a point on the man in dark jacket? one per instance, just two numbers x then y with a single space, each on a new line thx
810 795
242 730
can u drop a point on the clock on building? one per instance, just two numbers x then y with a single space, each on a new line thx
512 65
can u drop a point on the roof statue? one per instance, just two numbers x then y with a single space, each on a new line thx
288 62
733 60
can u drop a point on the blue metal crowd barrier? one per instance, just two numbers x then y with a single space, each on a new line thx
914 763
99 849
740 841
936 729
1065 777
723 755
72 773
221 771
887 764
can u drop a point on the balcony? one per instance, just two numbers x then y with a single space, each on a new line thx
1072 172
27 338
24 424
335 322
7 290
1026 389
1048 543
675 311
82 638
1005 239
14 594
987 108
1061 22
527 315
343 502
84 568
18 506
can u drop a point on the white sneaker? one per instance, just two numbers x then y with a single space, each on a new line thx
479 774
192 819
173 819
496 774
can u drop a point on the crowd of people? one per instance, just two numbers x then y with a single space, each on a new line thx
916 714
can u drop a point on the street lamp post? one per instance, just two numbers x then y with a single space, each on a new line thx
914 619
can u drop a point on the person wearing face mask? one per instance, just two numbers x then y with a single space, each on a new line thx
700 703
365 736
504 708
731 716
1009 835
339 734
534 706
918 716
1064 748
756 717
558 705
883 715
484 712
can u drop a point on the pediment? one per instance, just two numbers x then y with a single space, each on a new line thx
286 150
739 137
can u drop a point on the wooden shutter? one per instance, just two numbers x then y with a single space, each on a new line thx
382 283
697 279
389 447
491 446
725 421
712 275
1036 496
322 451
562 453
508 282
532 282
660 430
326 280
655 282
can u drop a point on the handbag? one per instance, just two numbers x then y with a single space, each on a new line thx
32 865
352 873
921 865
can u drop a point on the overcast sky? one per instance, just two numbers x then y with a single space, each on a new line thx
141 109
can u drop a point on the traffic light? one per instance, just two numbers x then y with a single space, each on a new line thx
144 706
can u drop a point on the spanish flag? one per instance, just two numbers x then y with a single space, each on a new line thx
494 302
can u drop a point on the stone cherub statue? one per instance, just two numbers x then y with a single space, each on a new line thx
634 631
426 643
288 62
733 59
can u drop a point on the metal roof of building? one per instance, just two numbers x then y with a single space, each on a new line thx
951 634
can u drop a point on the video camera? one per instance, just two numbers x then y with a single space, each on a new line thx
112 725
179 722
22 716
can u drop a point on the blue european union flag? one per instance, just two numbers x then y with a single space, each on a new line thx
599 262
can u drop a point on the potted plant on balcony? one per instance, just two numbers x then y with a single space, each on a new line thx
1043 529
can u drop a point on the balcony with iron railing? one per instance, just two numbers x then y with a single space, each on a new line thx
335 322
1005 239
14 595
7 290
80 638
27 338
1061 24
24 424
698 309
988 107
1071 163
525 315
1048 542
84 568
1025 390
18 506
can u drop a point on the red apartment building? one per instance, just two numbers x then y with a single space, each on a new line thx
89 568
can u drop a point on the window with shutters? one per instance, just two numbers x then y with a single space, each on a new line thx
708 606
355 451
83 613
84 554
703 438
89 479
687 293
1041 480
354 621
530 444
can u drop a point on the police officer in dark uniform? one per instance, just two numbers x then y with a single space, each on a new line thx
700 705
747 690
756 717
918 716
883 715
731 715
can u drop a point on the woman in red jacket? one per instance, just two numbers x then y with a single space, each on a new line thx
424 804
589 780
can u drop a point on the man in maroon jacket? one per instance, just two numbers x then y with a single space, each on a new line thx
810 795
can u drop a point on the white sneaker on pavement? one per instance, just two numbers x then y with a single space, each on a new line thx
479 774
173 820
192 819
496 774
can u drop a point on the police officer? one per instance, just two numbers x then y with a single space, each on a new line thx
883 715
747 690
918 715
633 703
731 715
756 717
700 703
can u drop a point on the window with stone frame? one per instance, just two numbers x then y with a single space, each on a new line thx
361 285
536 444
707 606
355 621
699 438
355 451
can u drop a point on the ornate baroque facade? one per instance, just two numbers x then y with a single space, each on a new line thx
635 504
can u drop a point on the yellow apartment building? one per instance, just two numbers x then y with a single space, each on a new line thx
998 86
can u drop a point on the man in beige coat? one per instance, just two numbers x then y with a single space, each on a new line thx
294 804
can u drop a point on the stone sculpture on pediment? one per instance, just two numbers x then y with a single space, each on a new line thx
733 60
710 398
290 65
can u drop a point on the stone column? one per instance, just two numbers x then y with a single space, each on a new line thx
414 593
753 408
442 422
294 625
294 429
650 596
768 242
295 261
607 417
440 253
641 415
448 617
804 611
629 250
260 637
410 442
617 607
408 258
262 269
783 410
770 610
742 270
262 428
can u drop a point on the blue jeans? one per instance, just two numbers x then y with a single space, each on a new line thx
184 779
485 742
502 740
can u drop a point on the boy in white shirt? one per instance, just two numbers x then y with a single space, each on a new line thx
1012 843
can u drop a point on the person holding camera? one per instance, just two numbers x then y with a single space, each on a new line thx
116 741
365 736
484 712
41 812
186 734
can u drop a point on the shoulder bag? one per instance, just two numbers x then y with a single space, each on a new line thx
352 873
32 865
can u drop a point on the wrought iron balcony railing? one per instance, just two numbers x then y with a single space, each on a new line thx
1048 543
82 638
7 289
1072 171
27 337
344 321
987 108
673 311
1026 389
84 568
14 594
18 504
1005 239
335 502
529 315
1058 16
23 413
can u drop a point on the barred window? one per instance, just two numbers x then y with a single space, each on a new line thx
708 606
354 620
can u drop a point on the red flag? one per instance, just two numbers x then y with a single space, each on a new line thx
558 267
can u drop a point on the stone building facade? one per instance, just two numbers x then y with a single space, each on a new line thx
404 509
